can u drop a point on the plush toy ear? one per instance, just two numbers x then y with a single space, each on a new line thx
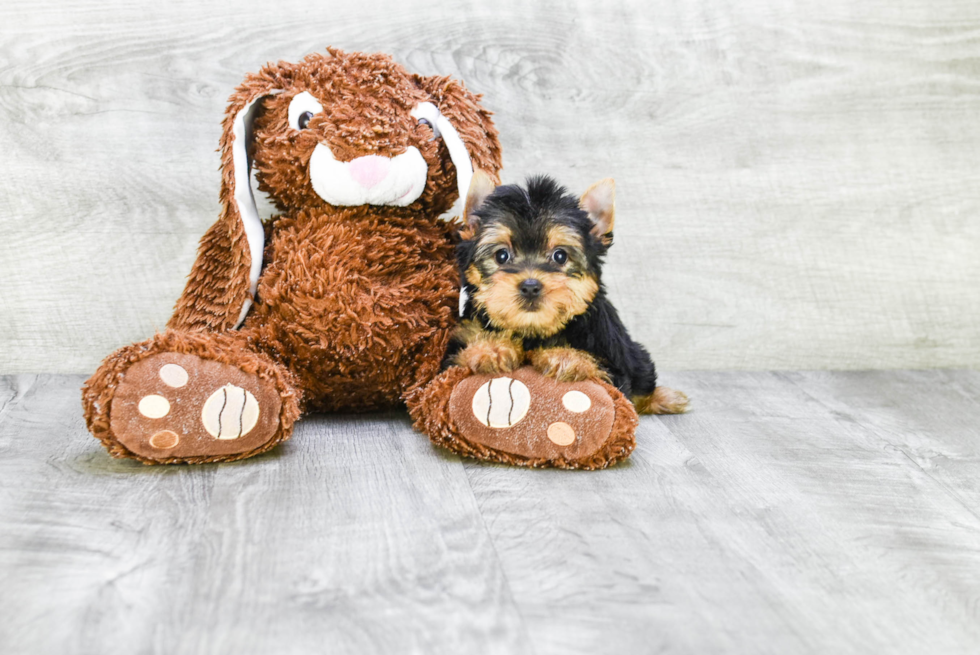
464 126
481 186
599 202
222 283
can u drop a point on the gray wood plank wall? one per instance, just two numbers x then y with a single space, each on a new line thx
798 182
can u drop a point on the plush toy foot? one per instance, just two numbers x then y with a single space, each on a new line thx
169 407
174 405
526 419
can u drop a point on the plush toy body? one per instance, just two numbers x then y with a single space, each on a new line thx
352 338
345 301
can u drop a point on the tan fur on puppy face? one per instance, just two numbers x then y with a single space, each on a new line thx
561 235
562 299
566 294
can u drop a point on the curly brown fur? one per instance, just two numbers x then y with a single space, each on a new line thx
355 304
369 98
352 299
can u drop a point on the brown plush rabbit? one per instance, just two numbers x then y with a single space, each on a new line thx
346 300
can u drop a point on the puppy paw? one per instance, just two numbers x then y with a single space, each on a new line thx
566 365
490 356
662 401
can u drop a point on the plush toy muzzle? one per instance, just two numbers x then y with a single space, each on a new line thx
396 181
370 180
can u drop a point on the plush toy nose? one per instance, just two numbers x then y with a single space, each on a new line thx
531 288
368 171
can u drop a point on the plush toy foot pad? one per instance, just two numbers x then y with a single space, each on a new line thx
527 419
175 405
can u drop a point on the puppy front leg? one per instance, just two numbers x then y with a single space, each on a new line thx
566 364
491 354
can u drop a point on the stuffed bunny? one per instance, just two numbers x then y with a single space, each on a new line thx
344 301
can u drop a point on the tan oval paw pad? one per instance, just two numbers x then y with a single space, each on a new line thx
164 439
576 401
154 406
561 433
173 375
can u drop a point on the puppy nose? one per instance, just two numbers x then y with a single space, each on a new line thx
531 288
368 171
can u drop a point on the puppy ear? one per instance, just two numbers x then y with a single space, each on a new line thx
459 117
222 283
481 186
599 202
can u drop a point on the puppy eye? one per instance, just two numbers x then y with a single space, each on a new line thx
559 256
501 256
302 109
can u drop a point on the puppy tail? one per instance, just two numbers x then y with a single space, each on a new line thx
662 401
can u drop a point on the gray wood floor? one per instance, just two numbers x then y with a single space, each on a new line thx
789 513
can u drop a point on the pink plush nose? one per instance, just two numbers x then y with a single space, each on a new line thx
368 171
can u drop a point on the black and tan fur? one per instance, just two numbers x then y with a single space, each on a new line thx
531 261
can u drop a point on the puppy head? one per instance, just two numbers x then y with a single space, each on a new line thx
532 256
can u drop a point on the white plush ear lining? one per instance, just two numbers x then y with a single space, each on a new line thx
244 200
457 149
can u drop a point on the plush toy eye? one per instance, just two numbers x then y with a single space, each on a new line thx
302 109
559 256
502 256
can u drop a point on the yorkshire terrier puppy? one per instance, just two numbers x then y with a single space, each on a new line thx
531 260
